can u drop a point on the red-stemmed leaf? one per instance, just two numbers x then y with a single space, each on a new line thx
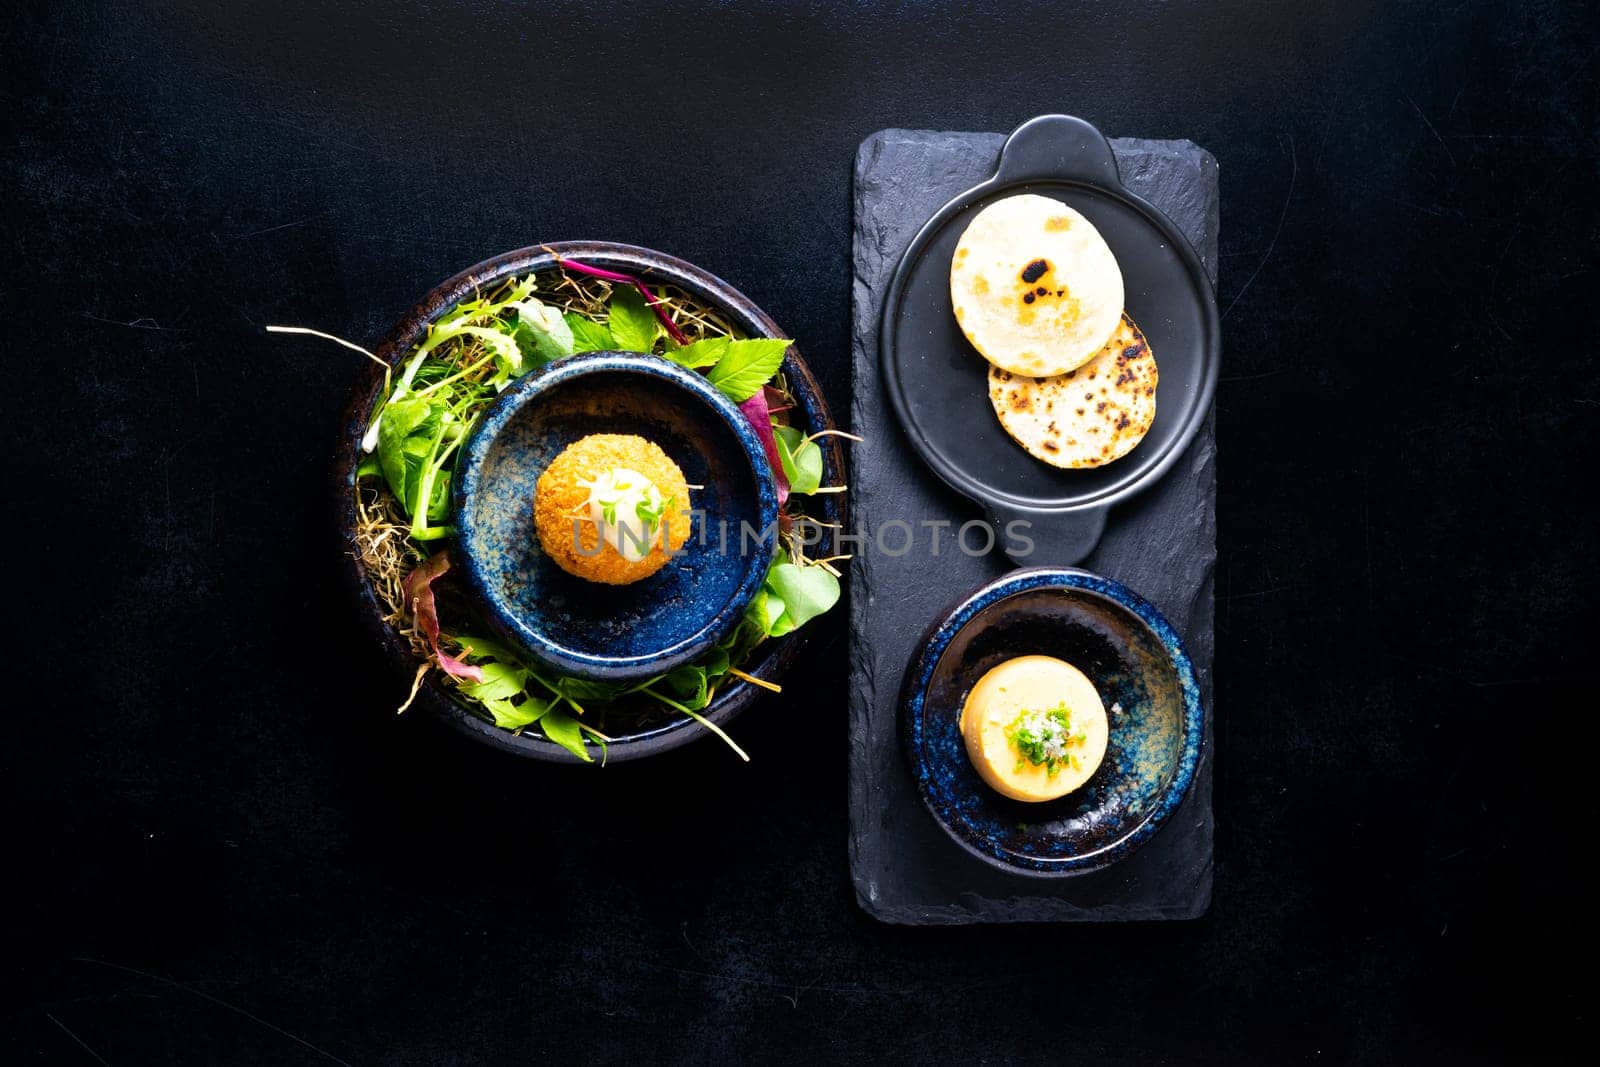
677 335
776 401
759 416
419 594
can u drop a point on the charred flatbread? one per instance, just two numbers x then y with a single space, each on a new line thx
1087 417
1034 286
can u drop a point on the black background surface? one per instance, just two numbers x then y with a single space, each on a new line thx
227 849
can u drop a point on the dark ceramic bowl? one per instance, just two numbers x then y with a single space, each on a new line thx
772 660
614 632
1137 664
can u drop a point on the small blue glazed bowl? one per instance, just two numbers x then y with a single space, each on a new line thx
614 632
1144 677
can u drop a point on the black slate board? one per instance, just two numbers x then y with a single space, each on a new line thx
1162 545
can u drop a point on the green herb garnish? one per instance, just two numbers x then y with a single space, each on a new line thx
747 366
650 514
587 334
633 325
1042 738
801 458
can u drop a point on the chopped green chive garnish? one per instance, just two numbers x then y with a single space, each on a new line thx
1041 739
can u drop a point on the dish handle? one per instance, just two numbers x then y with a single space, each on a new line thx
1048 538
1058 146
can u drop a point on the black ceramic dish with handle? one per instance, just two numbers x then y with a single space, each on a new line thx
937 382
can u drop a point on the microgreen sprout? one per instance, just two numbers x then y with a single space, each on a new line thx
1043 738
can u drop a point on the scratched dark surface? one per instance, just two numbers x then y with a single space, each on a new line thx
222 846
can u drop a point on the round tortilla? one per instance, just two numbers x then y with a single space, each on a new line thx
1034 286
1086 417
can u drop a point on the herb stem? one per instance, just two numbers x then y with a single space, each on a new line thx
425 390
416 686
678 336
701 719
329 337
762 683
419 518
836 433
433 533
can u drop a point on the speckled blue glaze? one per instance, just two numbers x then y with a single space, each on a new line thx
581 628
1134 658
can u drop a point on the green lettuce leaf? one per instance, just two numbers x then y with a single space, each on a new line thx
563 729
501 681
715 663
700 354
633 325
509 716
747 365
458 322
802 459
507 352
542 334
408 439
767 609
687 685
806 593
587 334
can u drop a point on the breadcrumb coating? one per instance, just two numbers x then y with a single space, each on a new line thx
561 512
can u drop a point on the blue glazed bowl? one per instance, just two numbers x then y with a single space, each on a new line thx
1137 664
771 661
614 632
